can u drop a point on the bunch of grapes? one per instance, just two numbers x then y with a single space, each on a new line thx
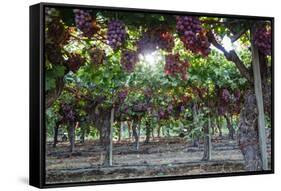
221 110
116 34
122 96
262 39
237 95
68 112
147 92
50 14
175 66
203 45
170 108
236 101
74 62
128 60
166 41
97 55
200 91
140 107
57 33
225 96
85 22
192 35
53 53
162 114
155 38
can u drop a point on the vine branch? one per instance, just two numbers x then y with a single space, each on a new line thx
231 56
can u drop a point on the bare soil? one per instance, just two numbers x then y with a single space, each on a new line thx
161 157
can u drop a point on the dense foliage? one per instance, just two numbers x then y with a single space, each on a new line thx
162 68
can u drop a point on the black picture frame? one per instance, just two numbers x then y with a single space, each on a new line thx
37 97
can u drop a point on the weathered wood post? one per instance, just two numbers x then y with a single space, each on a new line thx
111 136
259 99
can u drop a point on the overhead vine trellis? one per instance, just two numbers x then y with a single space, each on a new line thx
95 57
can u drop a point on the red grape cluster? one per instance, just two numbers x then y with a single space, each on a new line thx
122 96
85 22
192 35
229 101
262 39
170 108
200 91
237 100
128 60
237 95
225 96
57 33
155 38
116 34
203 44
175 66
68 112
74 62
162 114
53 53
225 101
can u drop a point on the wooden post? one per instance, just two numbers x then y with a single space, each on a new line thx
111 135
209 139
259 99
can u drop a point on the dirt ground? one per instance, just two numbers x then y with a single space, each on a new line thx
161 157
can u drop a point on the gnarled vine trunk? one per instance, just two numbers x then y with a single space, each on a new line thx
230 128
56 131
102 120
147 131
207 141
71 135
119 129
105 130
158 130
129 124
135 134
219 125
248 133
